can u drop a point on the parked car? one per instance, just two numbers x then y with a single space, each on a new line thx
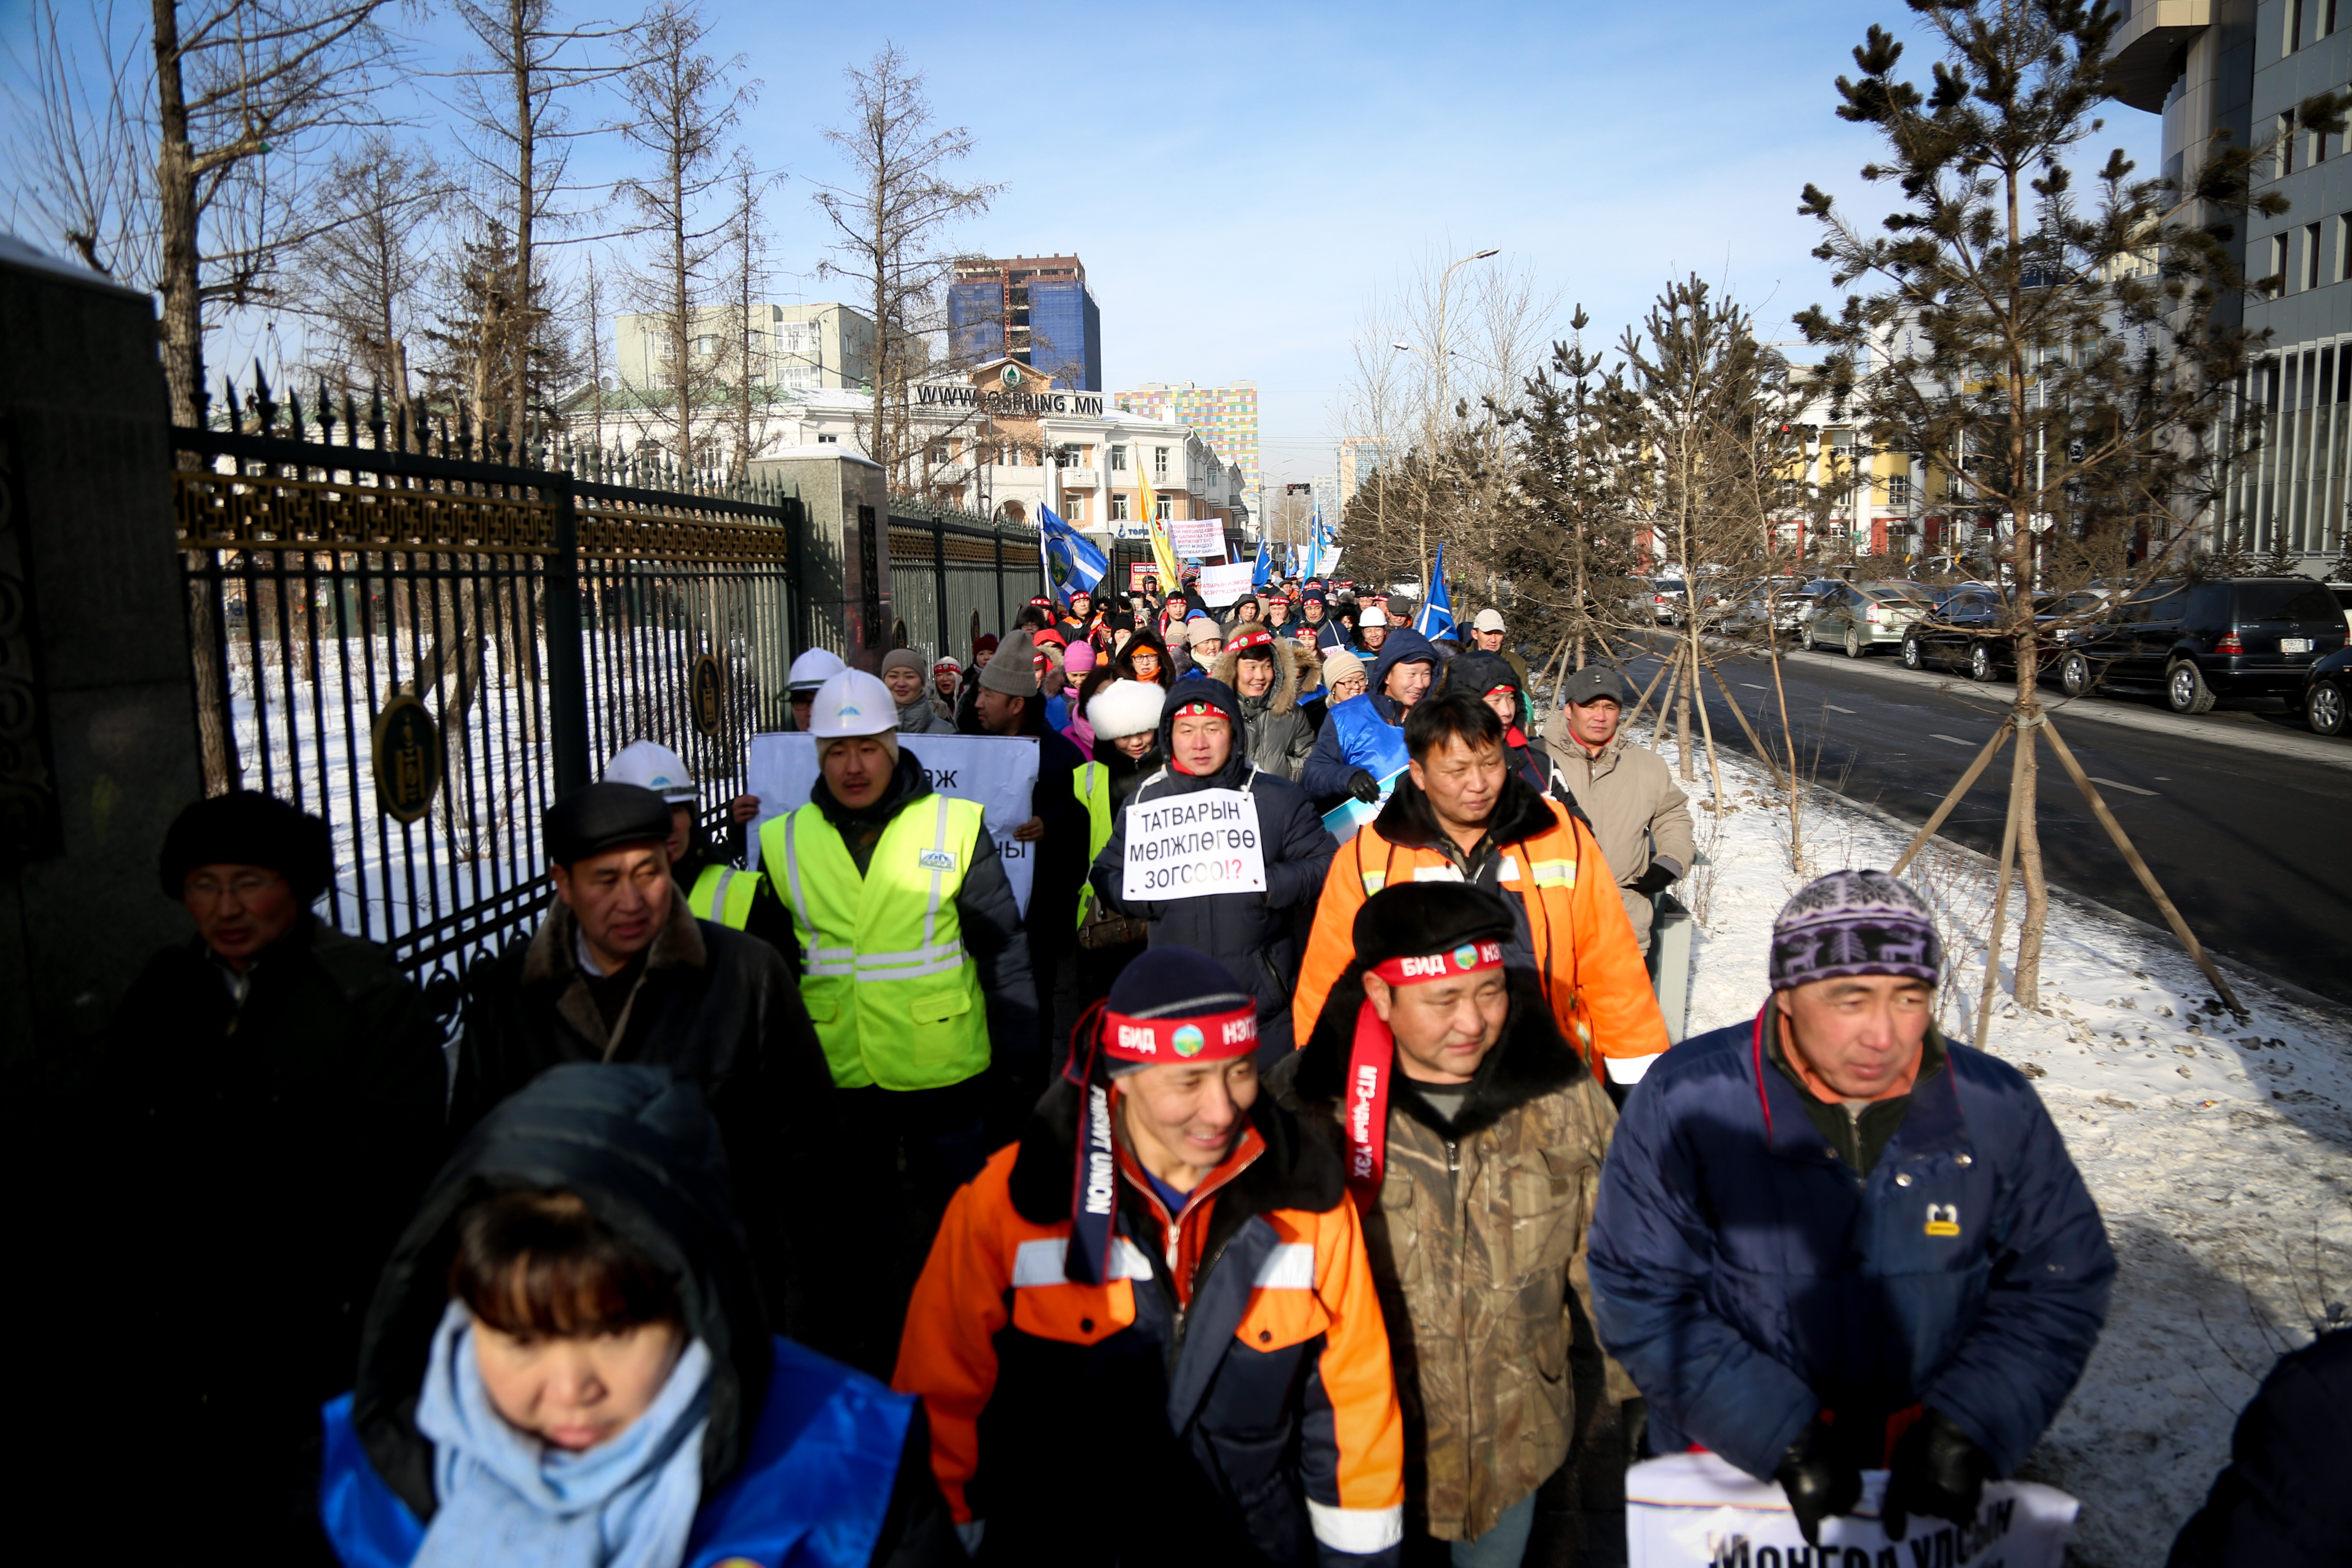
1779 602
1858 616
1963 629
2195 642
2325 691
2343 591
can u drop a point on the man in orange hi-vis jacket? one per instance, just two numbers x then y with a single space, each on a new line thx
1462 814
1148 1332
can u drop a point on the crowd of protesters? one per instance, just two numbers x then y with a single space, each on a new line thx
845 1211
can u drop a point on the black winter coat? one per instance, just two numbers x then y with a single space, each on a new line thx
711 1004
1251 934
278 1144
2282 1501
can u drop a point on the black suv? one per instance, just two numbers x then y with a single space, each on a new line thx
2196 641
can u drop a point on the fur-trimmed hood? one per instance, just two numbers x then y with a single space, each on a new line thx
1293 663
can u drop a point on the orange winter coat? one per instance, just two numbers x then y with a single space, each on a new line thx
1571 925
1233 1368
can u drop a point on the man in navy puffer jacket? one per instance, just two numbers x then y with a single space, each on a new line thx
1830 1240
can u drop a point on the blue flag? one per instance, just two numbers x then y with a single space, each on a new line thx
1262 572
1435 620
1072 562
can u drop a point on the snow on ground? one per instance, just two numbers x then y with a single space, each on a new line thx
2220 1152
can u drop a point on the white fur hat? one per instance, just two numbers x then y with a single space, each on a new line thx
1124 708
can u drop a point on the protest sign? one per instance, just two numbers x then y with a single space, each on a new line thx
1137 570
1343 819
1196 536
1189 846
1695 1510
997 772
1225 585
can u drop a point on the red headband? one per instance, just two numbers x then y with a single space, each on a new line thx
1198 708
1254 637
1420 969
1211 1037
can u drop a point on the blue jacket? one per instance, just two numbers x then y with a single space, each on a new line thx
812 1491
1747 1280
1365 731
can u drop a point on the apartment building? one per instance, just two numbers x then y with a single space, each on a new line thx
1036 310
794 347
1227 415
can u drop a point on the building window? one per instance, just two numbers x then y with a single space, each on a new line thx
1159 462
828 441
2312 254
939 452
1118 459
2287 137
1076 507
2294 26
2274 267
1118 508
1163 511
1898 491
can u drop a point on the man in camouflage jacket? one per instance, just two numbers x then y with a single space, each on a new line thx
1472 1136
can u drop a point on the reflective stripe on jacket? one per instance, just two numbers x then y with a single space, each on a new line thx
894 998
1571 921
724 893
1239 1367
1091 784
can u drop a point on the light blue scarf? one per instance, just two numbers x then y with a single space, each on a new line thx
507 1498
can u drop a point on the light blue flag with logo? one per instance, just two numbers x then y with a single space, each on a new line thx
1262 572
1072 562
1435 620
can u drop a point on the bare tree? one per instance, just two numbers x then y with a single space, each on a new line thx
888 219
683 104
360 278
2070 363
748 344
519 93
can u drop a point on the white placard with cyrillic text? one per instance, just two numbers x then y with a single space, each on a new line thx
1189 846
1223 585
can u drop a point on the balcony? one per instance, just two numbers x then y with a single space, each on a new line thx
2148 46
1081 478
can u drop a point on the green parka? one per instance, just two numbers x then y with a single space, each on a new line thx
1478 1248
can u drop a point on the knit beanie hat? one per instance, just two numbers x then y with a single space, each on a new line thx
1125 708
248 828
1409 933
1170 1005
902 659
984 644
1855 923
1080 659
1012 672
1338 664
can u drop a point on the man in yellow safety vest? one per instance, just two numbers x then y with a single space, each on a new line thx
908 943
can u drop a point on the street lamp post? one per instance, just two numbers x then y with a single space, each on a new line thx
1437 407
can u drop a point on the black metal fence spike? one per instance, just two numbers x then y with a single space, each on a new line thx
264 404
375 413
228 394
294 417
350 419
326 413
501 443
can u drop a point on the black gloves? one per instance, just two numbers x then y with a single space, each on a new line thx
1819 1483
1937 1470
1655 881
1364 787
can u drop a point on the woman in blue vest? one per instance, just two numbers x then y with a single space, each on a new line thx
566 1362
1362 739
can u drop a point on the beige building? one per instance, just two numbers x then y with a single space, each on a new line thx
794 347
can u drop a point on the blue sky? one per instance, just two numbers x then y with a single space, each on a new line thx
1240 179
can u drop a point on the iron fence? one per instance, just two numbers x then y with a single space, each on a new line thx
425 641
954 576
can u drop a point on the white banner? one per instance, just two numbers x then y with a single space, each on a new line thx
1225 585
1695 1510
1196 537
1189 846
998 772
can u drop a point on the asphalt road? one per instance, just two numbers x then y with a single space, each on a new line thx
2244 817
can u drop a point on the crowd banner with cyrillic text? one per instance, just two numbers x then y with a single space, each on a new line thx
1223 585
999 772
1189 846
1196 537
1696 1511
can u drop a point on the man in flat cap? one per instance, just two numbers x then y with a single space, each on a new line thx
620 971
1638 812
280 1085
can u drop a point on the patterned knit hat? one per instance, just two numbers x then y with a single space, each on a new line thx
1855 923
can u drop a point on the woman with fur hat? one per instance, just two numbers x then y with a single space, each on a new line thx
1267 672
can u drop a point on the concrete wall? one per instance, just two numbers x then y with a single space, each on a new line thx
841 572
89 502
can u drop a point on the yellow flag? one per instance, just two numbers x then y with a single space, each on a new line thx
1171 576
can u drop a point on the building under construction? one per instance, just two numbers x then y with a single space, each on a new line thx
1037 310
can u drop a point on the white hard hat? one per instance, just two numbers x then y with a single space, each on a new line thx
1373 615
853 703
813 669
649 765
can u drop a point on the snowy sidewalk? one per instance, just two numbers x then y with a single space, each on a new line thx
2220 1154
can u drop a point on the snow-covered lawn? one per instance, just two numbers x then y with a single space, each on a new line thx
2220 1152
